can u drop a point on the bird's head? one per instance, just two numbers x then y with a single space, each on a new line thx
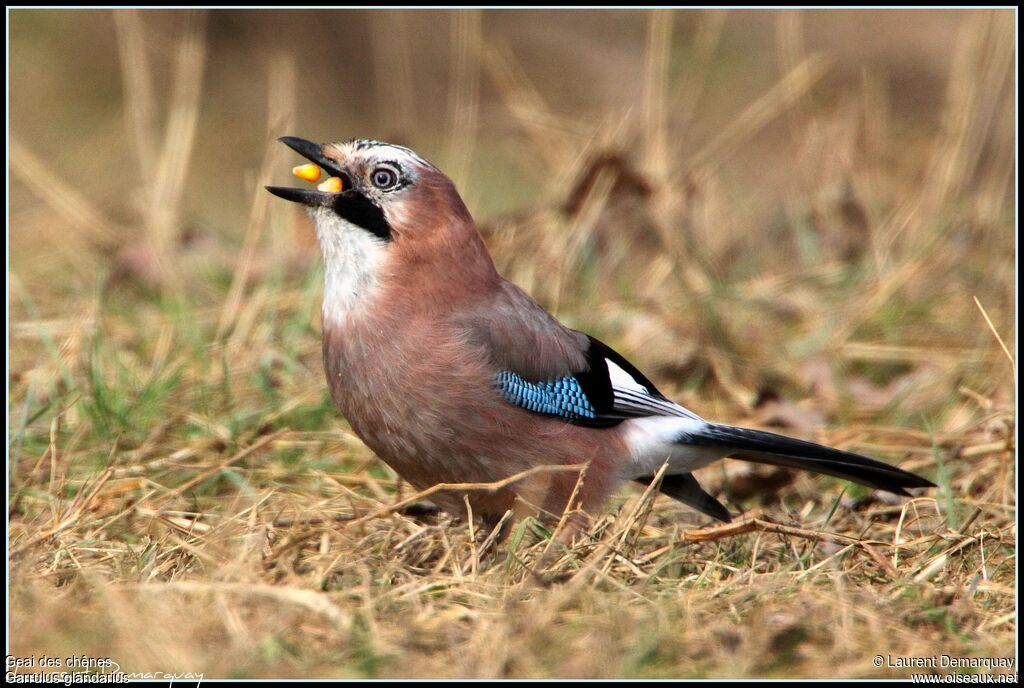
384 205
377 188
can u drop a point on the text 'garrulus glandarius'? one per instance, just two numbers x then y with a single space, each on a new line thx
451 374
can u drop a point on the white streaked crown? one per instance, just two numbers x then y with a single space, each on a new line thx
382 150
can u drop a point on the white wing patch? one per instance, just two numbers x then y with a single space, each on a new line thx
631 395
620 378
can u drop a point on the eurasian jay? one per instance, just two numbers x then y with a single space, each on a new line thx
451 374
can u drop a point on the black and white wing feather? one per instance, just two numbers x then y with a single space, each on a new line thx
610 390
607 391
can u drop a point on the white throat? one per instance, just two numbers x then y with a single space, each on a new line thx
352 260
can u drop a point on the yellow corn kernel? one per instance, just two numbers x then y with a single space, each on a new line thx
310 172
330 185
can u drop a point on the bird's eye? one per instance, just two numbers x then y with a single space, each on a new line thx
384 178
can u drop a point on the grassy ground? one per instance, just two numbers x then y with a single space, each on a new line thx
827 249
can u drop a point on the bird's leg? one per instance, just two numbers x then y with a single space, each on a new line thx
571 524
500 529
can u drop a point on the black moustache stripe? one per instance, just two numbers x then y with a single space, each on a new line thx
364 213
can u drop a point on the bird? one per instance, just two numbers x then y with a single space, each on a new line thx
453 375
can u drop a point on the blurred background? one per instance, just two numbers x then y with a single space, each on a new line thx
795 219
810 183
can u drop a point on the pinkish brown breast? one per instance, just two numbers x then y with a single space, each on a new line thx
422 397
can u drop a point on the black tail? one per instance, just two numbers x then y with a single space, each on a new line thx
685 488
777 450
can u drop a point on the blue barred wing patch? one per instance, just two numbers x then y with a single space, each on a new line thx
562 397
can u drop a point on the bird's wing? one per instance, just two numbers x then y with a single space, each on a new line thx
544 367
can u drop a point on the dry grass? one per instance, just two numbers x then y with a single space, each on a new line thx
183 498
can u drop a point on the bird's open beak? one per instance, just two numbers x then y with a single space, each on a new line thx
313 152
